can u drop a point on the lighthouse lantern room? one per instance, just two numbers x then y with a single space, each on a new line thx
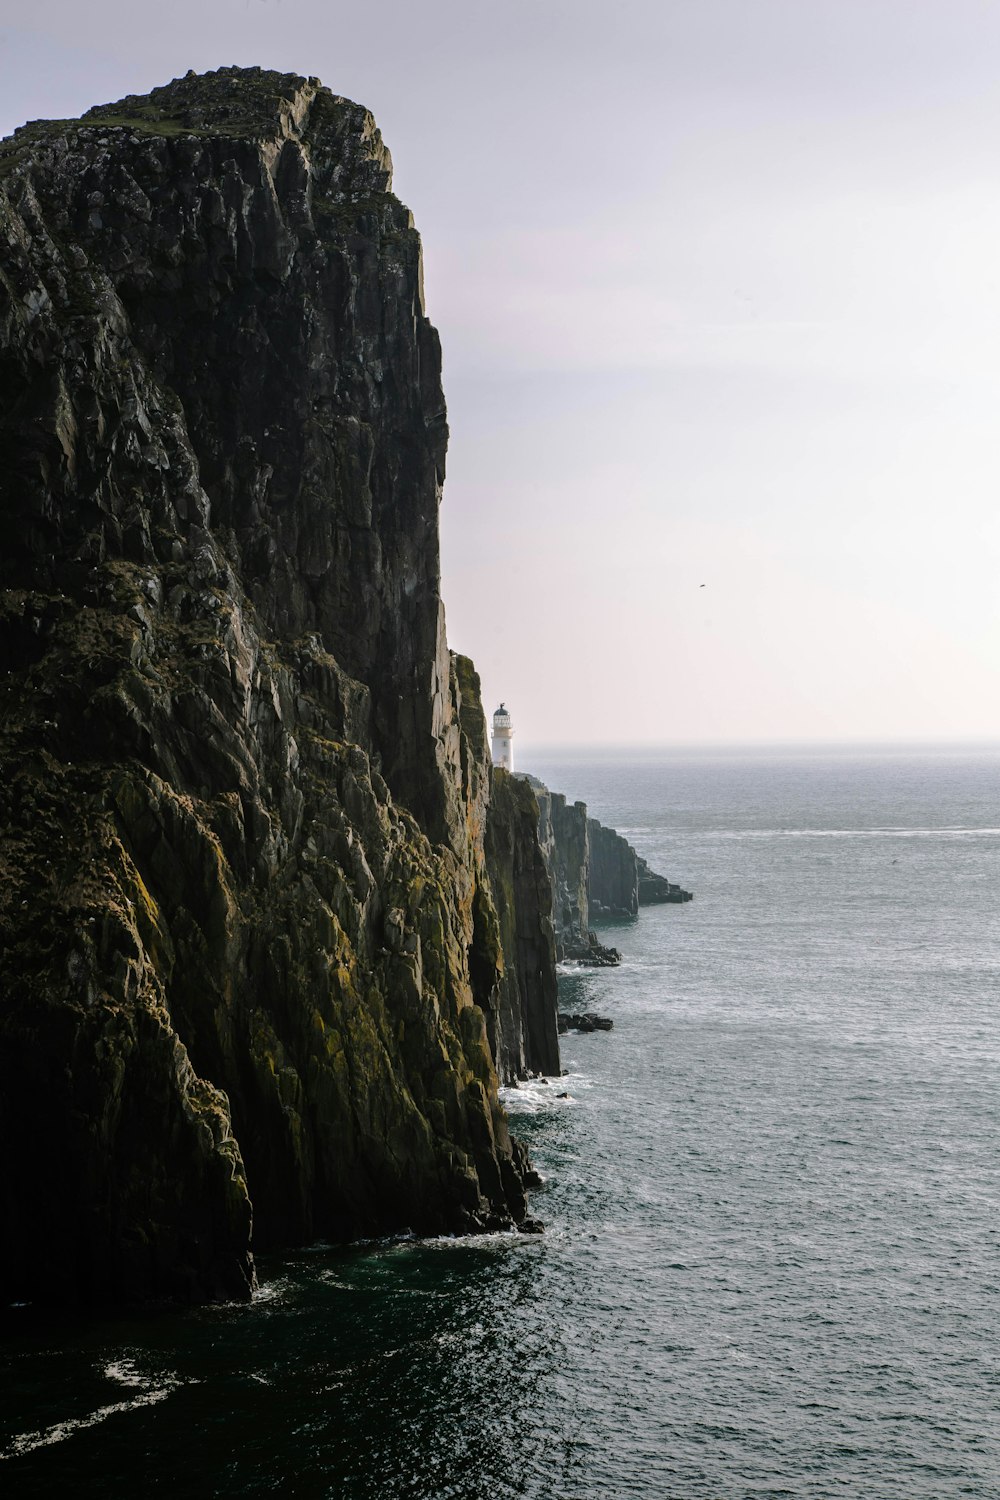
503 735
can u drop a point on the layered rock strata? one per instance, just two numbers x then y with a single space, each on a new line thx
248 943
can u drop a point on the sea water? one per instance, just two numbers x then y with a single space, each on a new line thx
771 1264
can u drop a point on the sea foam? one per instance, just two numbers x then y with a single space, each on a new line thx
149 1390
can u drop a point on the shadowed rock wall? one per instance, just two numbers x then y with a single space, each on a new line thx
513 953
613 881
562 834
524 1023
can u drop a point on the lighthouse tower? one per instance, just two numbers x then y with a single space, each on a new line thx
503 734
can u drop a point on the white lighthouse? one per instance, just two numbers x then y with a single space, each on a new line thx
503 735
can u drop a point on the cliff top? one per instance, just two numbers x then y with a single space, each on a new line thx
241 103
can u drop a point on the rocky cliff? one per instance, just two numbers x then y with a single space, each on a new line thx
513 958
565 846
593 872
613 883
655 889
248 942
620 881
523 1024
562 834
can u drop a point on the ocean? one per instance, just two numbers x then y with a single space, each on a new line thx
771 1263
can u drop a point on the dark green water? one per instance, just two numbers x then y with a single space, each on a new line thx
772 1260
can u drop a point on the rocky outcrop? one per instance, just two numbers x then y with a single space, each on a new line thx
620 881
565 844
586 1021
655 889
249 944
593 871
613 877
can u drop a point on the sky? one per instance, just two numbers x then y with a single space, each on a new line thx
718 287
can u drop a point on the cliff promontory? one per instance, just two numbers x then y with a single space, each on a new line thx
593 872
251 960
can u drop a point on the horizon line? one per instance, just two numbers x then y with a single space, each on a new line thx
817 742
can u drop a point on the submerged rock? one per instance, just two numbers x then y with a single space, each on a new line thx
249 941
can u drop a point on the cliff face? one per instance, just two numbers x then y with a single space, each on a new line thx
619 880
613 884
562 834
513 957
593 872
523 1024
244 913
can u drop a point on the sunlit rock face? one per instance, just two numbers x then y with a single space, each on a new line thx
249 943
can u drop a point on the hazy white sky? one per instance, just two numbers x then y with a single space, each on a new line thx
718 283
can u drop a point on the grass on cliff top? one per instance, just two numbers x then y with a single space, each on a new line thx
235 102
230 102
150 121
